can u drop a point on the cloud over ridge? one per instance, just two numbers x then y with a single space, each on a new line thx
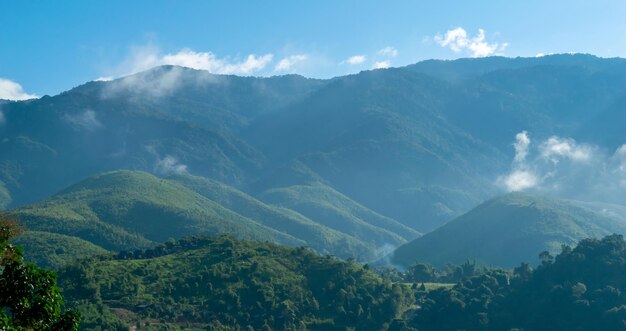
10 90
458 41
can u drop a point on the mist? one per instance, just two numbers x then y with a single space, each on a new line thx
565 168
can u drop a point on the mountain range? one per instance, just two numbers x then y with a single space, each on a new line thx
350 166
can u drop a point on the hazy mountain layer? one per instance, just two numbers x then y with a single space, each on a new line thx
511 229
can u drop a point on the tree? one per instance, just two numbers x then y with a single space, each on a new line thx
29 297
422 273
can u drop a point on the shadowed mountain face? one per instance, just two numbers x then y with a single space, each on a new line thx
378 156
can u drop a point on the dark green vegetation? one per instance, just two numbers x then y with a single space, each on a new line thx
511 229
579 289
52 250
29 297
223 284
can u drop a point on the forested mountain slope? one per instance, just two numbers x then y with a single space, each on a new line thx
511 229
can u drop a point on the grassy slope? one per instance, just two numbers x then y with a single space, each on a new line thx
127 210
508 230
322 238
333 209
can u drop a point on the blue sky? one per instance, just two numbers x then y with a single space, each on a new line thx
51 46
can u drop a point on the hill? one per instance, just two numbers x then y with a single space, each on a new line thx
219 283
126 210
508 230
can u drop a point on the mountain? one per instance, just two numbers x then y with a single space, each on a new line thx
221 283
511 229
418 145
127 210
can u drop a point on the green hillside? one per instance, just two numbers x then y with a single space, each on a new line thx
318 233
205 283
51 250
335 210
128 210
508 230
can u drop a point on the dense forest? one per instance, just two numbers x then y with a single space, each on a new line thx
579 289
220 283
225 284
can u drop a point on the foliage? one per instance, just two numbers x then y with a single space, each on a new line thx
29 297
201 282
580 289
52 250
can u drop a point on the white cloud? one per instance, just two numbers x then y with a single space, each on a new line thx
521 146
556 147
565 168
146 57
86 120
169 165
388 51
103 79
519 180
208 61
356 59
382 65
458 41
10 90
619 156
288 63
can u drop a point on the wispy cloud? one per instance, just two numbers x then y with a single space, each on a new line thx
10 90
149 56
168 81
356 59
556 148
381 64
458 41
563 167
169 165
388 51
103 79
290 62
86 120
522 142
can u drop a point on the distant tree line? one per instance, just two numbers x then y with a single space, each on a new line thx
579 289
